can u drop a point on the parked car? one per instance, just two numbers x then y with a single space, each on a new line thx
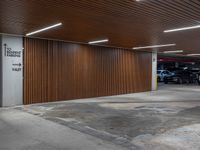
180 77
195 74
161 74
198 77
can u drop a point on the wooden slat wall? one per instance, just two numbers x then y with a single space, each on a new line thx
55 70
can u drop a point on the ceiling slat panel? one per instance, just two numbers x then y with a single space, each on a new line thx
126 23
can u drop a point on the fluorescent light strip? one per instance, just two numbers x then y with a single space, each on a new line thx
44 29
181 29
99 41
193 55
154 46
169 52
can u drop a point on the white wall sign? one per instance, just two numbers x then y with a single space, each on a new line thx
12 70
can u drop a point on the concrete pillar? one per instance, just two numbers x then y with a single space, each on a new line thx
176 64
11 57
154 71
162 67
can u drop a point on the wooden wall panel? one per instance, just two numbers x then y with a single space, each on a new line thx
55 70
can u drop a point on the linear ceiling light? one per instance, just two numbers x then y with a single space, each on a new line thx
44 29
99 41
169 52
193 55
181 29
154 46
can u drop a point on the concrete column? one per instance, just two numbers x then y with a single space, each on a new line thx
176 64
154 71
11 70
162 67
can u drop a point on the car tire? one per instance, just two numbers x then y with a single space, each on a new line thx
159 79
180 81
165 81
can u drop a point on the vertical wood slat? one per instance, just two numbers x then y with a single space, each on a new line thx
55 71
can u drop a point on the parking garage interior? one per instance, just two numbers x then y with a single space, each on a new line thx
178 69
103 75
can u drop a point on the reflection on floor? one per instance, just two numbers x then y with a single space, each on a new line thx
165 119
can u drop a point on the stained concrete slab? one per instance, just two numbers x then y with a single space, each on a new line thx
165 119
22 131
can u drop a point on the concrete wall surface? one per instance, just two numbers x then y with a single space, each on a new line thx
154 71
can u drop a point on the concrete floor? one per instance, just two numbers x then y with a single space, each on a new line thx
165 119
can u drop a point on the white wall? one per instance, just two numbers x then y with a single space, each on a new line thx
12 70
154 71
